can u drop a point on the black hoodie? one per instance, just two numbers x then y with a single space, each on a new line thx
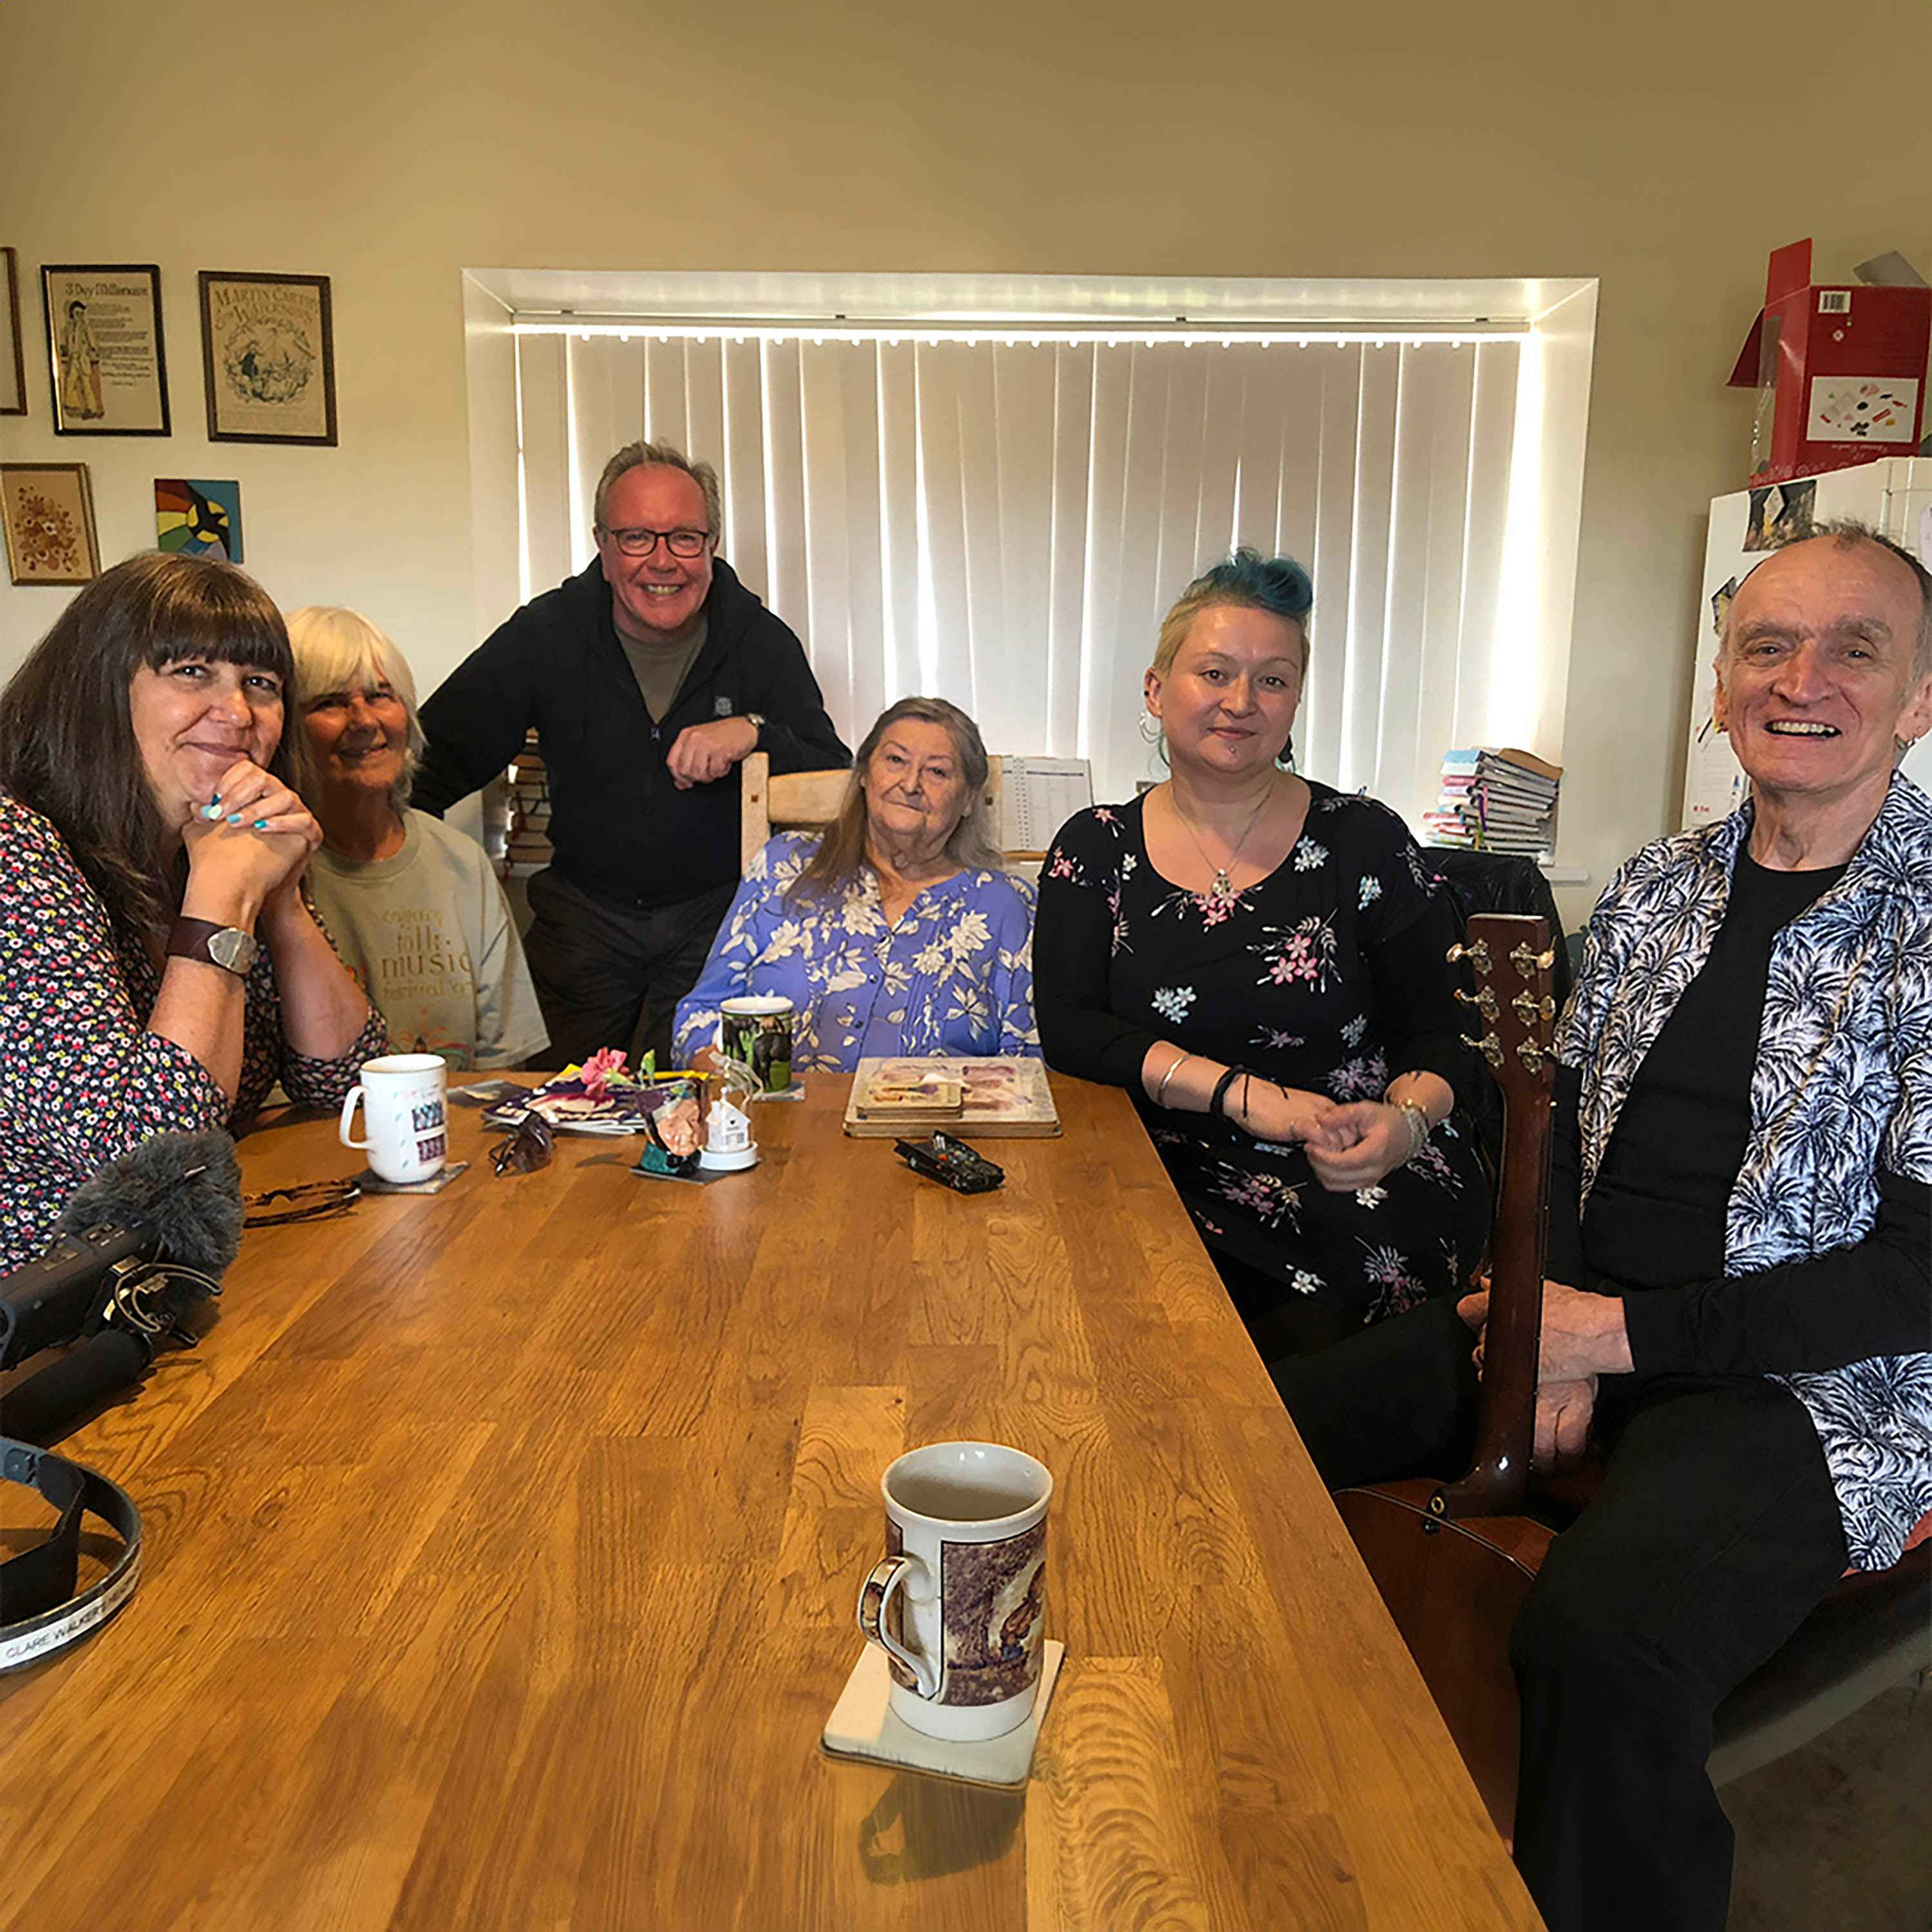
623 831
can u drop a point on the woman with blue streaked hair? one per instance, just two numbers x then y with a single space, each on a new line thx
1261 960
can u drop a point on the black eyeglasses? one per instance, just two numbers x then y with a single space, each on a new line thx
641 543
526 1149
309 1201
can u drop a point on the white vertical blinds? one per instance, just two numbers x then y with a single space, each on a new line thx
1003 524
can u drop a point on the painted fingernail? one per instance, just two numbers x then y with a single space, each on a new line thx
235 818
261 825
211 812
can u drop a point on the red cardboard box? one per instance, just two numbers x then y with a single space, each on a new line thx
1844 365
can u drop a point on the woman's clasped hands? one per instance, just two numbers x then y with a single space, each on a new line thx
1350 1144
254 837
1362 1142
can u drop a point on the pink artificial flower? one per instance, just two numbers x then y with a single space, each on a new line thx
596 1073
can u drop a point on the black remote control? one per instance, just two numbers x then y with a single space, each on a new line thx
951 1162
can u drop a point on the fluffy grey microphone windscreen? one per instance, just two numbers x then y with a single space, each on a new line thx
186 1188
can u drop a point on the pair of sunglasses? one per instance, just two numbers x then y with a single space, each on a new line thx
307 1201
525 1148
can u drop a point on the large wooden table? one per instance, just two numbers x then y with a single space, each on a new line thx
504 1544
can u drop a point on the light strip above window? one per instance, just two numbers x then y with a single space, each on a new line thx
1010 334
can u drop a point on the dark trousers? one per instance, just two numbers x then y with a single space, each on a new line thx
1715 1532
608 975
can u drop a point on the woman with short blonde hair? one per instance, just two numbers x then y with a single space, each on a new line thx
413 906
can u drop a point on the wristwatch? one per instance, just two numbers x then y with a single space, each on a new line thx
756 719
227 946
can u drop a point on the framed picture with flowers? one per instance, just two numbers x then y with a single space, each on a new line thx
46 510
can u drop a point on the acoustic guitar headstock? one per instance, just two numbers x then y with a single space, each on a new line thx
1509 956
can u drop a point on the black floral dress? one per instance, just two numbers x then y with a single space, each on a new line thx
1329 975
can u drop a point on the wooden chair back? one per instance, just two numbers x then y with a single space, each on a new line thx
793 801
805 801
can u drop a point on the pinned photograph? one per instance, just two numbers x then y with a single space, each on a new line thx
198 518
104 349
1780 513
47 512
267 356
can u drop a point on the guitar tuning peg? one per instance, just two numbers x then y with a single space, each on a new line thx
1529 1009
1532 1056
1530 964
1483 999
1489 1046
1476 951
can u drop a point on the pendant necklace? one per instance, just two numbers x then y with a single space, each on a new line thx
1223 890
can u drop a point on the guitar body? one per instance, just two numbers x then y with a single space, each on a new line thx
1454 1561
1454 1588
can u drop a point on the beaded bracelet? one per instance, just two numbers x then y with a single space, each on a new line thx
1418 1128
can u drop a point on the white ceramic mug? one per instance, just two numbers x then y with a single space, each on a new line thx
403 1111
959 1603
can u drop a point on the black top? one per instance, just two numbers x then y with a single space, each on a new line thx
1329 975
623 831
1654 1229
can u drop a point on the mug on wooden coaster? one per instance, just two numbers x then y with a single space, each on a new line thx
402 1097
958 1605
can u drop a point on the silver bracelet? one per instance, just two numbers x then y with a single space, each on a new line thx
1174 1066
1418 1128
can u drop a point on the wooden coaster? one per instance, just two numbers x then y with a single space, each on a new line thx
863 1726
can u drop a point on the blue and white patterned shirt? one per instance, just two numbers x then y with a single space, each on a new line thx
954 976
1843 1087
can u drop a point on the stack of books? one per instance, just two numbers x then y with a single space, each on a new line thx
528 848
1495 799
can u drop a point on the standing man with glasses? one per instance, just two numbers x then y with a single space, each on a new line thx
649 676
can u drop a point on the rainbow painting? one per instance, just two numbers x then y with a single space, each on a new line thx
199 519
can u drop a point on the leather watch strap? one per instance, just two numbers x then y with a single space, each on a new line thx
227 946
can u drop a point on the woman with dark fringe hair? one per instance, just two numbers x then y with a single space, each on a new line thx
159 968
894 931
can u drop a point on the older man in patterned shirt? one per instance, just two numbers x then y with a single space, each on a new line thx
1740 1306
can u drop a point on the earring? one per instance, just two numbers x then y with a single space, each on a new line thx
1149 728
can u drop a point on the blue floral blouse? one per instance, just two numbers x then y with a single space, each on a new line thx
954 976
1843 1087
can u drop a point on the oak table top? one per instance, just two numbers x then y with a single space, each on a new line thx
503 1546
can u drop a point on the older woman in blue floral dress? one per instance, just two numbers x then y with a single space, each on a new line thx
1262 962
894 932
